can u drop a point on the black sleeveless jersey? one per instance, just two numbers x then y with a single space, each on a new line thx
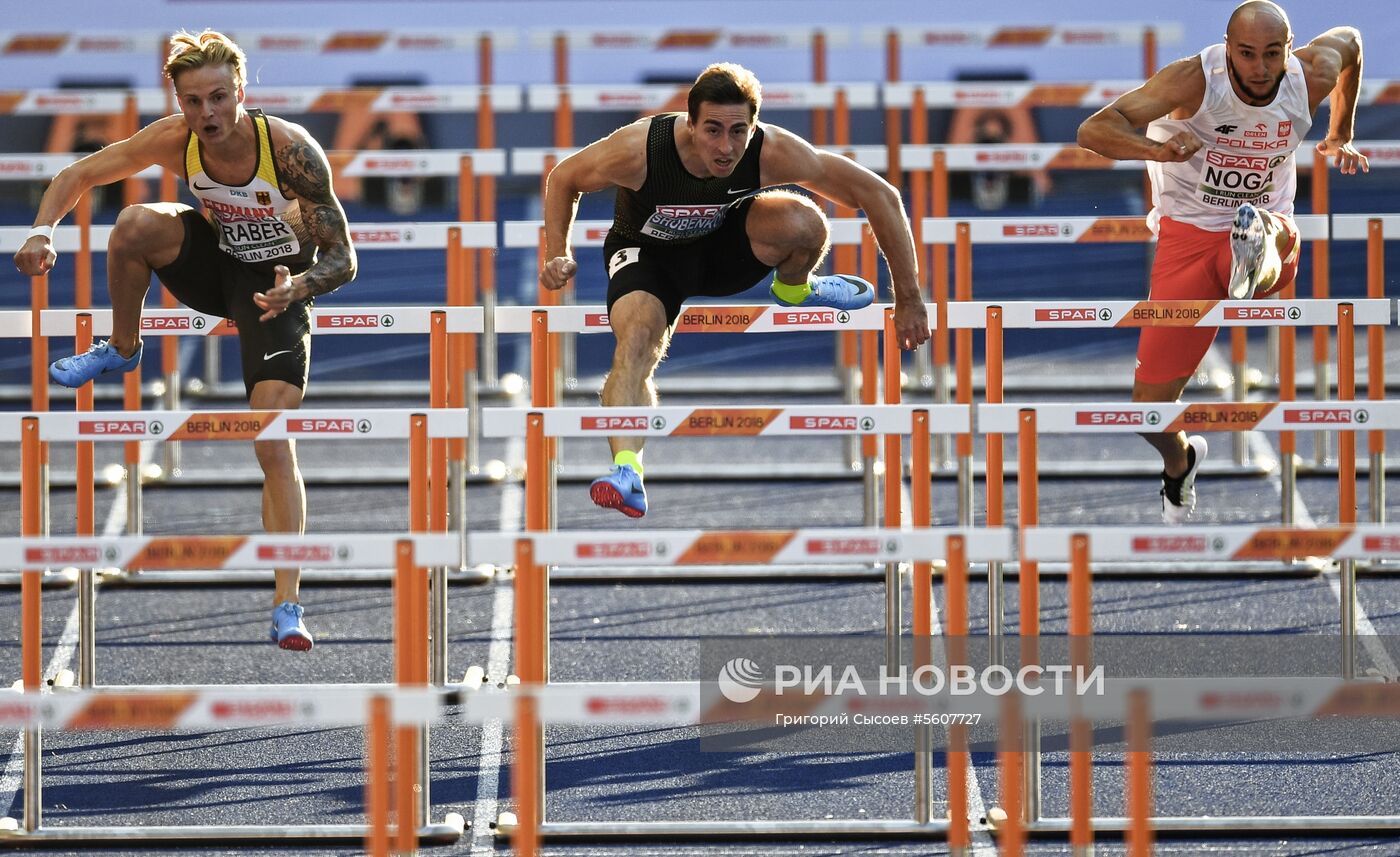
674 207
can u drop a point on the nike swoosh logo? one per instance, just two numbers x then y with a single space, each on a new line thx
197 187
745 190
275 353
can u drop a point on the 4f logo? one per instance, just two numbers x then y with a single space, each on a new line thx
1226 129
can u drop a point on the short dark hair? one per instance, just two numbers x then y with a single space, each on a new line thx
725 83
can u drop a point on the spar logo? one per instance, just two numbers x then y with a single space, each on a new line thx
1381 544
1116 418
354 320
1169 544
595 319
392 164
740 680
158 323
78 555
302 553
821 422
324 425
614 550
1266 313
1074 314
1035 230
1231 160
381 236
270 710
1015 157
119 428
1325 416
849 547
633 422
627 706
1242 701
808 316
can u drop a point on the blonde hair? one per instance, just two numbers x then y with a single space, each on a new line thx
197 50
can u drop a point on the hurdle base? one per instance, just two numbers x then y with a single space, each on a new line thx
236 577
444 833
1184 568
53 578
1234 827
1227 826
756 384
661 574
767 471
1103 469
719 830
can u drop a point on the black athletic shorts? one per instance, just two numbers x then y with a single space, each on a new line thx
206 279
717 265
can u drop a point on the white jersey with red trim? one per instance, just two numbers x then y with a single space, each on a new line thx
1247 156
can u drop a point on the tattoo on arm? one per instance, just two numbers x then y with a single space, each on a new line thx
306 172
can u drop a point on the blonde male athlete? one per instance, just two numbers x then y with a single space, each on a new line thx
271 238
694 216
1221 131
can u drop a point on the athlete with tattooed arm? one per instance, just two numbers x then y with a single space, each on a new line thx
271 237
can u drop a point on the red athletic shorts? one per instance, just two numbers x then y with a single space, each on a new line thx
1193 264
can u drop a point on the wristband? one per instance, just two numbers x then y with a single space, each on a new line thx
46 231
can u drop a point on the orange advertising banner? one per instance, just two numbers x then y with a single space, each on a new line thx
726 421
224 426
1222 416
723 547
179 552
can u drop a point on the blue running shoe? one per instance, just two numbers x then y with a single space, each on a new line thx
288 631
621 490
100 359
838 291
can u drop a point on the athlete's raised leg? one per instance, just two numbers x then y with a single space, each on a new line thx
787 231
145 237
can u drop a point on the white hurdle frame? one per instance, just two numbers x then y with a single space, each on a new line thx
407 553
534 552
1080 547
420 427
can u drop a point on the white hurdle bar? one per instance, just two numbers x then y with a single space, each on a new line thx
1050 315
1231 544
420 428
738 421
520 234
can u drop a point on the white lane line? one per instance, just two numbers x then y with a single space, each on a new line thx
983 845
12 778
488 772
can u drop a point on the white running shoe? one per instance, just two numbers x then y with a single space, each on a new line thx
1247 239
1179 494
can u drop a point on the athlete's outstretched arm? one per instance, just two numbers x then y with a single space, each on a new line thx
303 167
788 159
1332 62
619 160
153 144
1113 131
